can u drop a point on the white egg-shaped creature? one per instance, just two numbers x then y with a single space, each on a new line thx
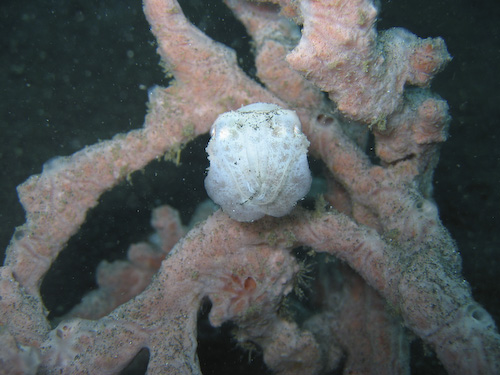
258 162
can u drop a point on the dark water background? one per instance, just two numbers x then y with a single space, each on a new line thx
74 72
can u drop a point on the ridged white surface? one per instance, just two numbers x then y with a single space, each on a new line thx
258 162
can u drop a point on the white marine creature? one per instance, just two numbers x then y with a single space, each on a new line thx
258 162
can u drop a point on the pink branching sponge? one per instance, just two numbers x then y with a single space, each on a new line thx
400 270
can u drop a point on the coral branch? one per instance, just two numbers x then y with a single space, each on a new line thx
364 73
228 262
